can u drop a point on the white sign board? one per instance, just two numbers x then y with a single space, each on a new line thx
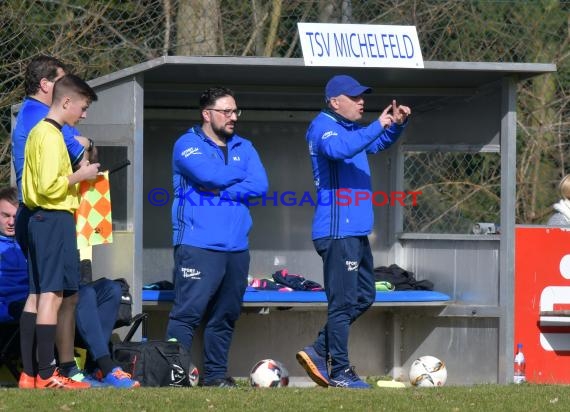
360 45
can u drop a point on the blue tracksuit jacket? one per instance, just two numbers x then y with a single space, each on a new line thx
14 285
218 222
338 150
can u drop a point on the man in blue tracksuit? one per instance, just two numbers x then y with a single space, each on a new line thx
216 173
14 283
343 218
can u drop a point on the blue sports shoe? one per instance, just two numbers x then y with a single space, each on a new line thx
348 379
315 365
78 375
118 378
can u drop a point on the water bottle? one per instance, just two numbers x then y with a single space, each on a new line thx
519 366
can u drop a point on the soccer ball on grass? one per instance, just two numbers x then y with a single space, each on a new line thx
428 371
269 373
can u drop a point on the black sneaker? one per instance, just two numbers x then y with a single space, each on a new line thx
227 382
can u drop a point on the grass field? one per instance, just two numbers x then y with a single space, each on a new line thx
521 398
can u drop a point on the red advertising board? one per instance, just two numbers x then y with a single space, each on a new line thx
542 302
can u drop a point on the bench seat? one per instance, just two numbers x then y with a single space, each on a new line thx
264 298
262 302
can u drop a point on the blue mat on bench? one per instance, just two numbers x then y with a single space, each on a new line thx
253 296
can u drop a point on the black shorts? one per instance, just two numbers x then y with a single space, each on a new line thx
53 263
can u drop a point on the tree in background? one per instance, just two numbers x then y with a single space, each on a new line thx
197 27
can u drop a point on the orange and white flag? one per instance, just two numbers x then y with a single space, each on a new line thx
93 219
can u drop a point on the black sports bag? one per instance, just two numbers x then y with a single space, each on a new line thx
156 363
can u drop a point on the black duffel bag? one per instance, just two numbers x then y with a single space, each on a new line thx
156 363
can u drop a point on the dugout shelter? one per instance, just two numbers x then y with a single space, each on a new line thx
463 107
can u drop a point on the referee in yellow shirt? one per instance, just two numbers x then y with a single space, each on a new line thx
49 189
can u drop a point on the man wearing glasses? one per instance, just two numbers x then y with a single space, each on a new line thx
216 173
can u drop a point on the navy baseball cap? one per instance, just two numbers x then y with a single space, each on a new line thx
343 84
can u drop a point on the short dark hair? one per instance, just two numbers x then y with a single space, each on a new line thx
211 95
41 67
9 194
71 83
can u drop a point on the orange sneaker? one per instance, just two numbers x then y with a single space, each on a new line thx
58 381
26 381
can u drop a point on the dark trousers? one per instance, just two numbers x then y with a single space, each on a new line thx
96 314
208 285
349 286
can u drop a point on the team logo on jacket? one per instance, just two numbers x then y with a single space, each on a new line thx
351 265
236 158
190 273
191 151
328 134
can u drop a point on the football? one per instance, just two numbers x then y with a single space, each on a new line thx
269 373
428 371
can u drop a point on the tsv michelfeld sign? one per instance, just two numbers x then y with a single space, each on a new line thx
360 45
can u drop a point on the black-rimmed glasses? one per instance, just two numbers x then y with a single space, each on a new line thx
228 112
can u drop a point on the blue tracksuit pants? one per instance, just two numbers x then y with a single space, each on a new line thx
96 314
350 289
208 285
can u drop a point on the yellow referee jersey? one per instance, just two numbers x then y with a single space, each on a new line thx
46 168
